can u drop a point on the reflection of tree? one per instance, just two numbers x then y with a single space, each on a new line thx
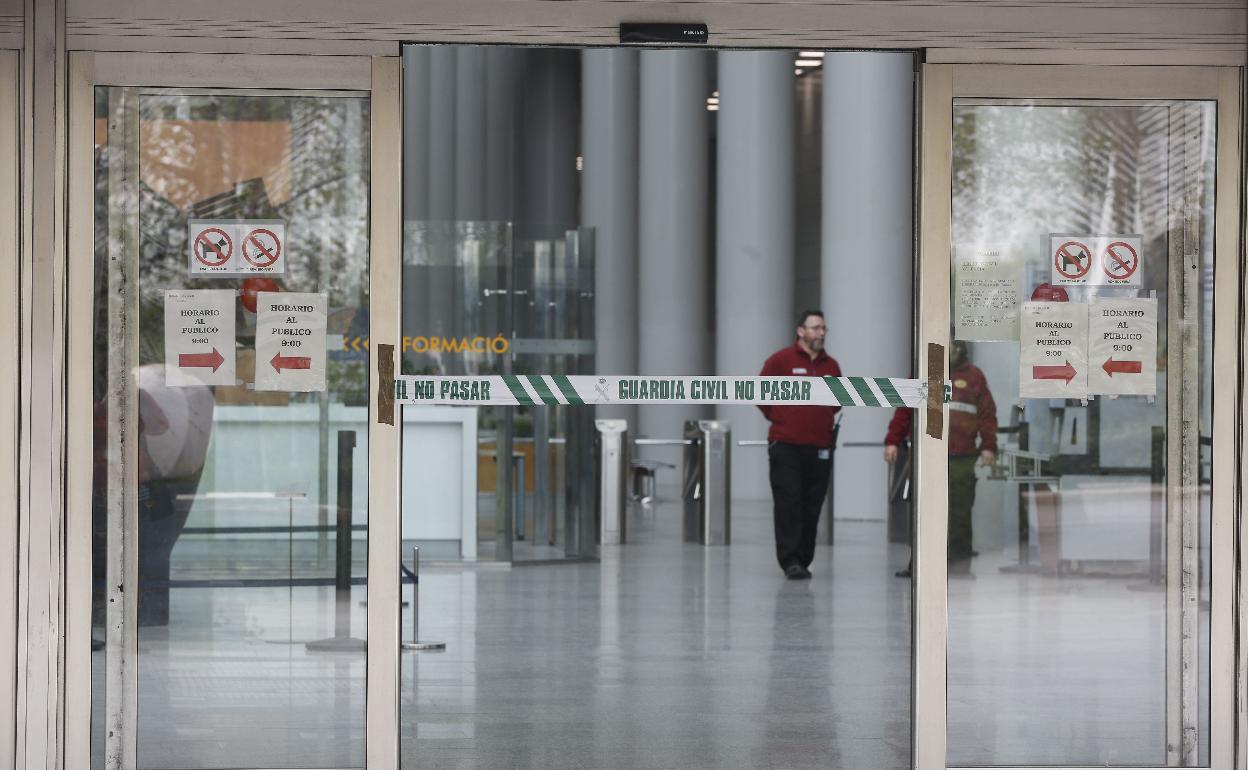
196 151
1020 173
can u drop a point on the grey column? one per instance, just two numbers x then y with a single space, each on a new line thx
441 107
470 129
868 114
504 70
548 201
672 321
415 132
438 284
416 58
754 234
609 177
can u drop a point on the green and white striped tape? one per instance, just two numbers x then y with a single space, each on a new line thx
560 389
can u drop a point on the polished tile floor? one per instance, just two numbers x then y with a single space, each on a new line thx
664 655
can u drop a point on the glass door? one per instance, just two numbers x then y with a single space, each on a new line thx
1080 225
224 530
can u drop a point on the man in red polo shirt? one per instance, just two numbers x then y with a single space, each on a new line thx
799 448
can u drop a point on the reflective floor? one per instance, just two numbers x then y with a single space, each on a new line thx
665 655
668 656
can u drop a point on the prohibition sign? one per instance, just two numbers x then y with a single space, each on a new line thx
1071 264
1120 255
265 245
213 247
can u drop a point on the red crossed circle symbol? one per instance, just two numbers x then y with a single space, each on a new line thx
1080 257
266 246
212 252
1120 255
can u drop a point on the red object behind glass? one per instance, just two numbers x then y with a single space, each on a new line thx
1047 292
253 286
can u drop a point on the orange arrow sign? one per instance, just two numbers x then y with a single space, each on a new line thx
1064 372
281 362
200 360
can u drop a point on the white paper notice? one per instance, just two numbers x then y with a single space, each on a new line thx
1053 350
199 337
1122 347
290 341
1095 260
986 286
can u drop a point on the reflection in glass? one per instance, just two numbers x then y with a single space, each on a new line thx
1073 638
238 489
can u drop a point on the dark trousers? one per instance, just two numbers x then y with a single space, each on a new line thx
799 483
961 501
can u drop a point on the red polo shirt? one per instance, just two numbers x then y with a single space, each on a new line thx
972 414
809 425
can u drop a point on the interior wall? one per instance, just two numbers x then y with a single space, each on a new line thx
1217 31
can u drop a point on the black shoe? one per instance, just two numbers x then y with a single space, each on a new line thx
903 573
806 573
795 572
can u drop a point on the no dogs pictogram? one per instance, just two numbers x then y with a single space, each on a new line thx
1072 260
213 247
1120 260
262 247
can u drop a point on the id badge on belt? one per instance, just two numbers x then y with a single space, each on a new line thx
825 454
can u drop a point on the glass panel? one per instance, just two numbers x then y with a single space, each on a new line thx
584 209
1079 453
252 489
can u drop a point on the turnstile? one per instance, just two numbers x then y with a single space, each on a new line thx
707 487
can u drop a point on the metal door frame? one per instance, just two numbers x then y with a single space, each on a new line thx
10 248
380 77
940 85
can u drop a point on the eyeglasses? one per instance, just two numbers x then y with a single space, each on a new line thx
819 328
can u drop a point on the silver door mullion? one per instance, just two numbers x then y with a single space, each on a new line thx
930 602
1183 439
384 438
1189 441
122 563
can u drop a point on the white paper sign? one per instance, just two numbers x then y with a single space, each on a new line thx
986 293
236 247
1122 347
1095 260
1053 350
290 341
199 337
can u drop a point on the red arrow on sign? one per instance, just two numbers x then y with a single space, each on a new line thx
1064 372
1122 367
200 360
281 362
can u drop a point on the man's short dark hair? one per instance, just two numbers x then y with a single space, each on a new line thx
801 321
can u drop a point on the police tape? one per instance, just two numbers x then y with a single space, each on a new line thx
576 390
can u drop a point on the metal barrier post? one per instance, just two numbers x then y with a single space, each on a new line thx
611 444
342 641
416 644
707 482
